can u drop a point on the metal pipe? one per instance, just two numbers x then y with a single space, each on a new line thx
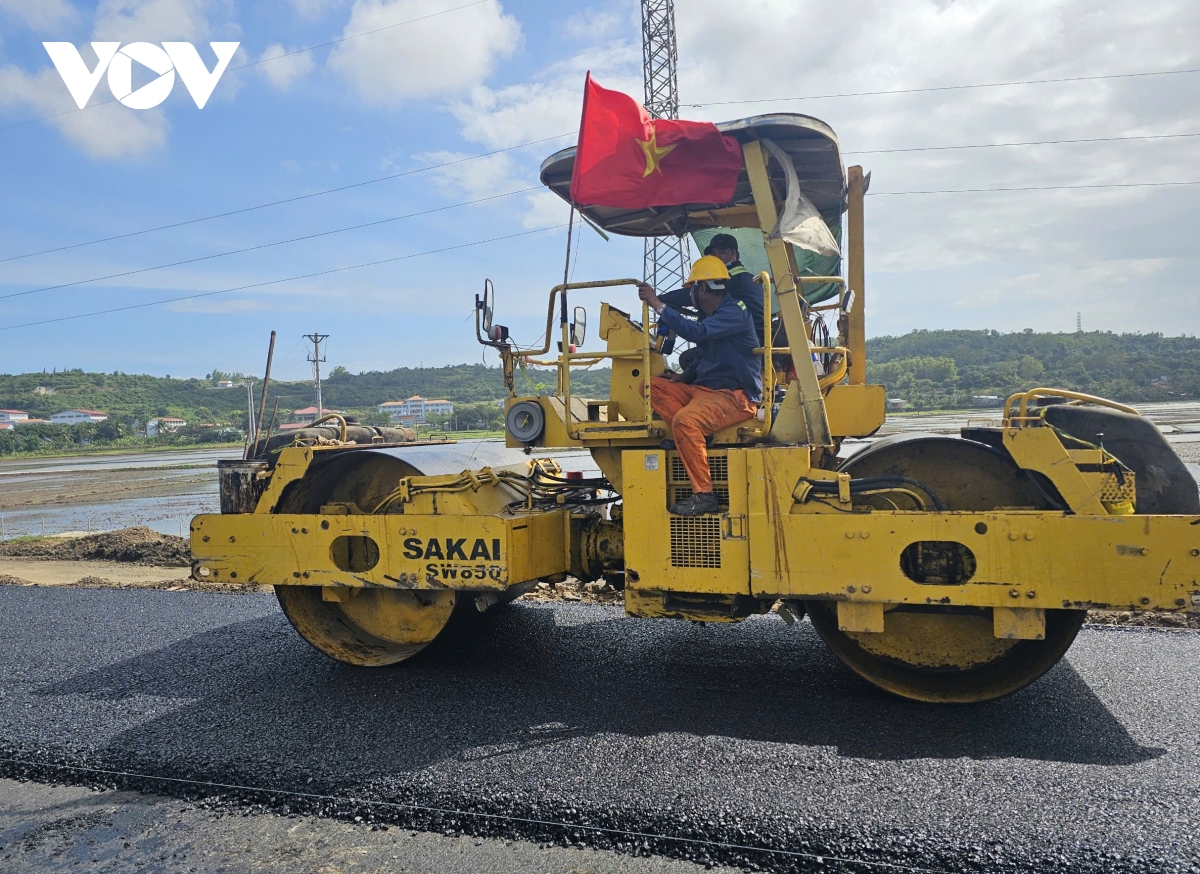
266 439
262 401
768 400
341 420
857 274
251 428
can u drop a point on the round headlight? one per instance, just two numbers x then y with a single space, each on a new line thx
525 421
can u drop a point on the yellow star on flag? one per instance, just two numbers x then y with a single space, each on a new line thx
654 153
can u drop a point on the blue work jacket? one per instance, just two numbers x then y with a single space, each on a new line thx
741 286
726 340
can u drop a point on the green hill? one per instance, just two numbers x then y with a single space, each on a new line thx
131 398
927 368
947 368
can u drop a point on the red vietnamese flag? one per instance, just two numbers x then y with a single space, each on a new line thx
626 159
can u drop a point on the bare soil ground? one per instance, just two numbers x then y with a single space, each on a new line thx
85 487
142 558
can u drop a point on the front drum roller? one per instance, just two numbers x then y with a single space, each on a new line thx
367 627
372 627
947 654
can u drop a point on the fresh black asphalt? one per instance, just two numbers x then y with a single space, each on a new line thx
571 724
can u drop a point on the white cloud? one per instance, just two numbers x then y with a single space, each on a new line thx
955 256
476 178
548 104
314 8
955 253
103 131
440 56
283 71
39 14
152 20
596 24
545 210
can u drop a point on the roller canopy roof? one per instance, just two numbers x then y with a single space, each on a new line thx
810 143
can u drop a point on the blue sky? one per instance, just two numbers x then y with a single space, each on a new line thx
494 75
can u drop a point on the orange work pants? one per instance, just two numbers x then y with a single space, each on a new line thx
694 412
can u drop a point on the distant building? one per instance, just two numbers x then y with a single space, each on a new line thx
75 417
895 405
309 414
31 422
163 423
415 409
11 416
44 390
6 426
225 383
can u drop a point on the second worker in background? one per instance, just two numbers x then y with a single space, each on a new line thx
721 384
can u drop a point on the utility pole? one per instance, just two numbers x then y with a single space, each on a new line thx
249 408
666 258
317 359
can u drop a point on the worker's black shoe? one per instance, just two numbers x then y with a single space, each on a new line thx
669 444
696 504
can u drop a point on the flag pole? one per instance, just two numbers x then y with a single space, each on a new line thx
567 269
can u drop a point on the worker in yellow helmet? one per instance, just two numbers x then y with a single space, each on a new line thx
741 286
721 386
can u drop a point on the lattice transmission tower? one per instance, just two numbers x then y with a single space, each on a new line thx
667 258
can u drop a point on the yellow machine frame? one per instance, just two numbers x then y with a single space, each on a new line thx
791 528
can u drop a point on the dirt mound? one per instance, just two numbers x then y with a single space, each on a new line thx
128 545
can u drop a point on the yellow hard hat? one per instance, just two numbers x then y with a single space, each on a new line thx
710 268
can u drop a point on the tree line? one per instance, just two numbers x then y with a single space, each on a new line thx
926 368
950 368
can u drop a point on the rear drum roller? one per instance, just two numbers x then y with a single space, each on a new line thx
947 654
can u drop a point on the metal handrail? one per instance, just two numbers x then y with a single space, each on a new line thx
567 355
1023 398
341 421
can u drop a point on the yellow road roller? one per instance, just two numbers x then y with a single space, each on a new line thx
939 568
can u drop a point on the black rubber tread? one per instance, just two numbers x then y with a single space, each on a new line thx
1164 485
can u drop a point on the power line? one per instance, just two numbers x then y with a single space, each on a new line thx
266 245
265 60
1031 188
1027 143
947 88
534 143
153 303
548 228
298 197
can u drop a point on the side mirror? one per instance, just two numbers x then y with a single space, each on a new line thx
579 327
488 305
